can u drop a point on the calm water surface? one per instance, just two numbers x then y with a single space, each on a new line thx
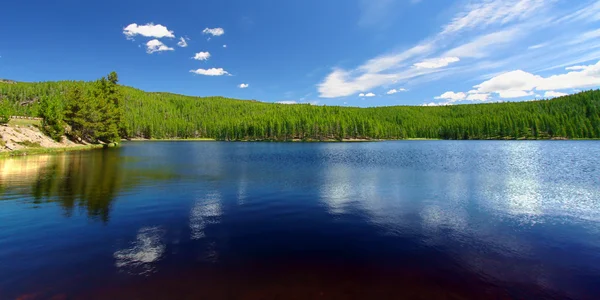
211 220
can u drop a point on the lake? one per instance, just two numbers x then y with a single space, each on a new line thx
385 220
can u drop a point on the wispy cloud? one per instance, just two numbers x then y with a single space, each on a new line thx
482 14
480 47
182 42
435 63
485 37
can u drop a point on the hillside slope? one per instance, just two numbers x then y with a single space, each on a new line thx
19 136
165 115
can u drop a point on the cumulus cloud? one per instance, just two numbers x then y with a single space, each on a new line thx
369 95
436 62
182 42
214 31
210 72
520 83
201 56
243 85
553 94
156 46
478 97
452 96
148 30
394 91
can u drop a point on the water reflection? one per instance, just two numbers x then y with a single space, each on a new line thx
89 181
204 212
141 257
427 213
336 188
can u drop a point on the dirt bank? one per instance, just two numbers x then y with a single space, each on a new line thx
15 137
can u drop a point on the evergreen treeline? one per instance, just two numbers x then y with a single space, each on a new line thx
133 113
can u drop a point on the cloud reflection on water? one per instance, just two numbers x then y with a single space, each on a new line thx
145 251
205 211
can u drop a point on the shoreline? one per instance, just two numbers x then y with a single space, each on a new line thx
53 150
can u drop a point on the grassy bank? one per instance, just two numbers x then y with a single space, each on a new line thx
35 151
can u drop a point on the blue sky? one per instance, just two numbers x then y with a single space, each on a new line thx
333 52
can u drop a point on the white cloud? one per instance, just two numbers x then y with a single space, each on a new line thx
588 77
478 97
224 46
437 104
148 30
553 94
394 91
156 46
538 46
390 61
485 36
201 56
316 102
452 96
514 94
412 64
586 36
211 72
480 46
182 42
214 31
243 85
485 13
369 95
589 13
436 62
515 81
509 84
517 84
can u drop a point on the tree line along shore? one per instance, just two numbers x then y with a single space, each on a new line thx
103 111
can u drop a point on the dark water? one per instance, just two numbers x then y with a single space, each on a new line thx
391 220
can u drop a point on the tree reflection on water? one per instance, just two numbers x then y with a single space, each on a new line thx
89 180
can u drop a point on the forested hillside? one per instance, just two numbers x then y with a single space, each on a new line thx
135 113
